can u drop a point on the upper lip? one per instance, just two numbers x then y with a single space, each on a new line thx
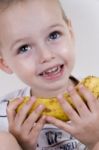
47 68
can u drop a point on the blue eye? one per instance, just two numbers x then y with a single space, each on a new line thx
24 48
54 35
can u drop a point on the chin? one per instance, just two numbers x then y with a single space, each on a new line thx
57 85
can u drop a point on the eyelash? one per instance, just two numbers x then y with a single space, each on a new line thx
52 36
55 35
24 48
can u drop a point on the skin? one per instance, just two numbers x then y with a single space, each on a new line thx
84 123
10 141
42 51
46 40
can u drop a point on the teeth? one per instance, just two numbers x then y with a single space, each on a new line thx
54 70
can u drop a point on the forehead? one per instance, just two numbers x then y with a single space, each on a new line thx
31 14
34 7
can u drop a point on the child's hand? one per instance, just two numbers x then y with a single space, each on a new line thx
25 129
84 125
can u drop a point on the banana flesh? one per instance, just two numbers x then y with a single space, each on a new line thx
52 106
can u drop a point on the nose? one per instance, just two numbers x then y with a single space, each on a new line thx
45 54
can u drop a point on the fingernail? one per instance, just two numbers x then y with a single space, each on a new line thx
44 117
49 119
70 88
30 100
20 98
33 98
59 96
41 107
80 86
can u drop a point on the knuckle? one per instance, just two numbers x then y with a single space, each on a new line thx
93 99
80 105
69 112
24 110
39 126
39 109
64 102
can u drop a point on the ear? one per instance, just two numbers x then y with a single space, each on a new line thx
4 66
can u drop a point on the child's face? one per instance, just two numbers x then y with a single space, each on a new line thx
37 45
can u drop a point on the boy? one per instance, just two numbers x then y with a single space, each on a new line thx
37 44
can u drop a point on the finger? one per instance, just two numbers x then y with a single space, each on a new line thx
60 124
11 109
97 105
88 96
68 109
32 118
38 127
22 114
78 102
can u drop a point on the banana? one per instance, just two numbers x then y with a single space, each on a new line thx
52 106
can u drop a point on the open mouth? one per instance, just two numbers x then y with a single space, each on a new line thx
52 72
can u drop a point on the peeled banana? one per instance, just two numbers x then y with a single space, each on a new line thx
52 106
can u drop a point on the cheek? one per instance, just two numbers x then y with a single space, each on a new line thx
68 55
67 52
25 72
21 67
69 58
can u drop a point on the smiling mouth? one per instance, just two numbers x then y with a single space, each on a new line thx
53 72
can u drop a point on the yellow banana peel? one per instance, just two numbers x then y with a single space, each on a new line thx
52 106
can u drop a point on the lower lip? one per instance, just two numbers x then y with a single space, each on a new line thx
55 76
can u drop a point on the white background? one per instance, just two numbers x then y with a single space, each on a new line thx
84 15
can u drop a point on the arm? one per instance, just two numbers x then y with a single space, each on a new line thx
8 142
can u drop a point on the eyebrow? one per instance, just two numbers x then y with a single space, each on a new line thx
56 25
18 41
52 26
